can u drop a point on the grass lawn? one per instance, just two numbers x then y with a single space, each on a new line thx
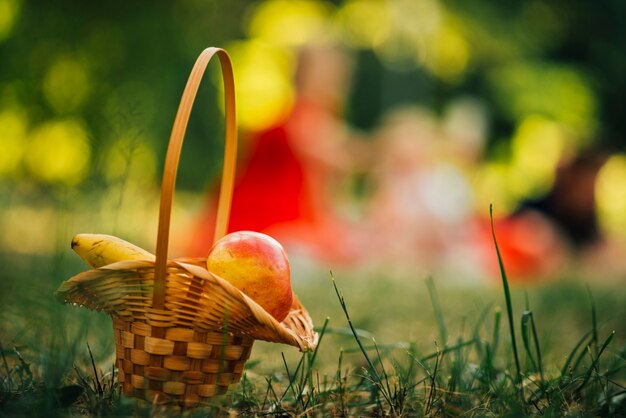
411 347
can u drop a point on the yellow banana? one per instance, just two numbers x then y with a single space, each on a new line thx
99 250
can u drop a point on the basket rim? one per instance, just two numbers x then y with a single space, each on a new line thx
76 290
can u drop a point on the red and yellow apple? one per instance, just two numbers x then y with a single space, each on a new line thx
257 265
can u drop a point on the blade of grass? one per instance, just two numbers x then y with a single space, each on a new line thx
308 376
495 338
112 382
339 364
4 361
433 383
267 393
594 326
525 331
296 389
579 359
458 365
84 381
95 372
477 326
392 346
614 370
271 390
528 327
354 333
596 360
349 333
571 355
537 348
447 350
594 321
291 377
372 368
382 367
319 342
507 297
434 300
24 370
339 379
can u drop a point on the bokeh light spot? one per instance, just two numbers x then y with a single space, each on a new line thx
493 185
13 125
611 195
66 85
264 88
537 147
9 12
290 22
364 23
129 158
59 152
449 54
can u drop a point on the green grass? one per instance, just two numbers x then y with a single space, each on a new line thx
389 346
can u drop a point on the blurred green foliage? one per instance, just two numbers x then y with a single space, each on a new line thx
88 92
116 69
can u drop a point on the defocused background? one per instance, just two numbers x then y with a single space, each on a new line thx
379 131
374 135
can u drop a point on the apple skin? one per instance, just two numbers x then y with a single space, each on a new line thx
257 265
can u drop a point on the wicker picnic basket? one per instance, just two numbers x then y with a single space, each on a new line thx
183 334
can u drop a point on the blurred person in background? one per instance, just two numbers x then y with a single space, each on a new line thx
289 181
543 235
571 203
464 124
421 212
401 225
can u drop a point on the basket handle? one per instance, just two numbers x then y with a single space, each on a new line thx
173 156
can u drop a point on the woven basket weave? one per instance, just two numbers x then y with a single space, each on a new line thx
183 334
